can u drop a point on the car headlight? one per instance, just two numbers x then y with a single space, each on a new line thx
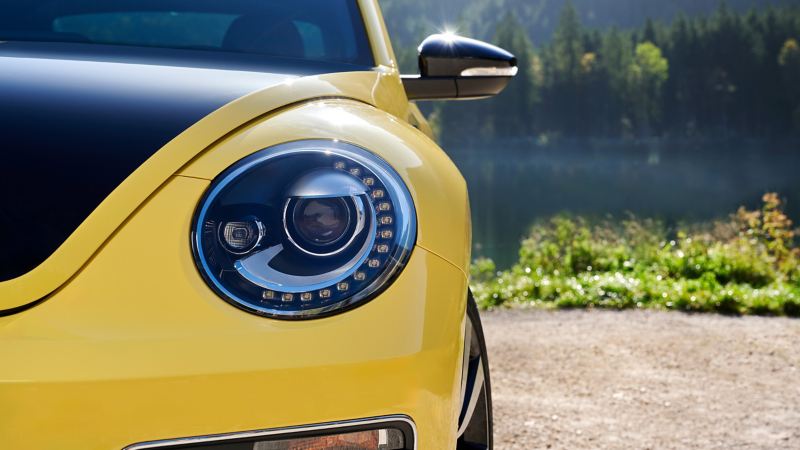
304 229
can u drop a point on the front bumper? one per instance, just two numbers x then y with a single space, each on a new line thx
377 433
137 348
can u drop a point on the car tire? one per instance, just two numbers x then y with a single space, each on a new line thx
475 421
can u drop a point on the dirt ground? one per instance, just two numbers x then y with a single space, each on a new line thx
643 380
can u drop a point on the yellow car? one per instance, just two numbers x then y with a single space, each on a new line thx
224 225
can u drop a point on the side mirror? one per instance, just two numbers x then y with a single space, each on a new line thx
455 67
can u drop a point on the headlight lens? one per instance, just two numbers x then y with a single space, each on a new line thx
304 229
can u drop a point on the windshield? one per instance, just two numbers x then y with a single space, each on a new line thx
320 30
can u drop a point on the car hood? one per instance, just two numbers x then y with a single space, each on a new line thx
75 126
77 122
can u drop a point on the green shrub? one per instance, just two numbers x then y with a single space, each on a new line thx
748 264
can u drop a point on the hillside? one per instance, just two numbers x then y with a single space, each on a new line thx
409 20
622 68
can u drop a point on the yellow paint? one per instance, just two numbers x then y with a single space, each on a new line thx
373 88
381 88
131 345
378 34
137 348
438 190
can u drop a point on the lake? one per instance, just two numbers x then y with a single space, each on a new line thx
513 184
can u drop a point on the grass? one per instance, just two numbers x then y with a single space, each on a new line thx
747 264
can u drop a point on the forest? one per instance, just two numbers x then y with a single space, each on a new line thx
728 72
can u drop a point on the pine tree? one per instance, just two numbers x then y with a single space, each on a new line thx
568 44
567 54
512 110
616 57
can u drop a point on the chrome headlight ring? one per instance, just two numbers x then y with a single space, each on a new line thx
311 228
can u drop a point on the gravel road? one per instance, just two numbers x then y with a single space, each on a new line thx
643 380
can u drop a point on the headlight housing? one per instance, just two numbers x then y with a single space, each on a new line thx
304 229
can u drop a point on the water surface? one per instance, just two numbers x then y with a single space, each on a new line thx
513 184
